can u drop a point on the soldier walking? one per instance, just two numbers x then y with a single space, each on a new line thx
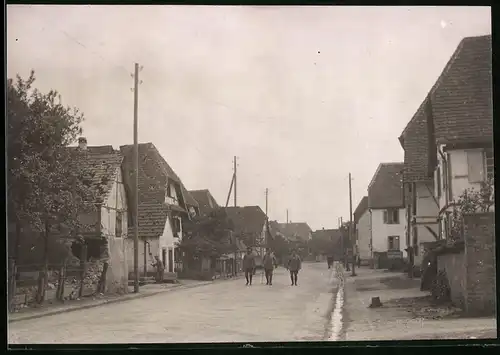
294 265
249 265
268 262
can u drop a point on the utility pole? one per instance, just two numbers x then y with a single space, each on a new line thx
287 216
351 234
267 194
136 181
235 204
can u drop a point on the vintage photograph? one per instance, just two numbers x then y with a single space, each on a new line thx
246 174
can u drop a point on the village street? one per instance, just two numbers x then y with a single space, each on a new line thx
227 311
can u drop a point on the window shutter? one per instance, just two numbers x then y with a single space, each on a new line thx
475 165
386 216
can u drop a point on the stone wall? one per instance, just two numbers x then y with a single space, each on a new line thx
480 263
117 275
471 272
454 266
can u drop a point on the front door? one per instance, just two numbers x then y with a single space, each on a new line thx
170 260
164 256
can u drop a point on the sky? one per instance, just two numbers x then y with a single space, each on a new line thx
303 96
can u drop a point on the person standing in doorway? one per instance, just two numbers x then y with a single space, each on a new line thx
249 265
269 263
294 265
160 269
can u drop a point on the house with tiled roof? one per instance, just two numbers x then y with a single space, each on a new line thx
163 207
387 212
363 231
206 202
448 143
108 241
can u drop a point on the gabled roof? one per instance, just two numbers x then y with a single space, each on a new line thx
102 164
205 200
386 187
295 231
461 102
154 173
362 208
247 220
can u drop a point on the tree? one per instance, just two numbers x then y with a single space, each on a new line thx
280 246
208 235
47 188
470 201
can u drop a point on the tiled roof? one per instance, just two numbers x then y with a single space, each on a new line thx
362 207
386 187
461 101
153 177
295 231
102 167
247 220
205 200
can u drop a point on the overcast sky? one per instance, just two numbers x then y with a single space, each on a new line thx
302 95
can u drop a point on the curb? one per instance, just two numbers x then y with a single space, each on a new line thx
110 301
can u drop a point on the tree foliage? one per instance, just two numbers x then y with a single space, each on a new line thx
279 245
46 185
208 235
471 201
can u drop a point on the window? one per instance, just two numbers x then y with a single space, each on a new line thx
475 165
177 226
489 163
393 243
391 216
118 225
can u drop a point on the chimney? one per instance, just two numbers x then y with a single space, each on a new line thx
82 143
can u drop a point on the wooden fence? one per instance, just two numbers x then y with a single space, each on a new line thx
29 285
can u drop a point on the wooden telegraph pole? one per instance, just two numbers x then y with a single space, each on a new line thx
351 232
136 180
235 201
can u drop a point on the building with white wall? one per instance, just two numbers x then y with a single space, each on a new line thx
387 212
163 208
363 231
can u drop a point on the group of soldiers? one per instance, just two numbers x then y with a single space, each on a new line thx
269 263
293 265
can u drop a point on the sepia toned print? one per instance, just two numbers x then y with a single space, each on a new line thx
207 174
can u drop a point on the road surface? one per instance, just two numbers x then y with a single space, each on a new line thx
226 311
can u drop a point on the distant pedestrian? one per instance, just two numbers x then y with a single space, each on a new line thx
294 265
249 265
329 260
269 261
159 269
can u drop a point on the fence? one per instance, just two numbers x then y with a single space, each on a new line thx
28 284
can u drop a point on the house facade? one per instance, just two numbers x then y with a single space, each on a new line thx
387 212
163 208
108 242
363 231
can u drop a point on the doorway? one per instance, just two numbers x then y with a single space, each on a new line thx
164 256
170 260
